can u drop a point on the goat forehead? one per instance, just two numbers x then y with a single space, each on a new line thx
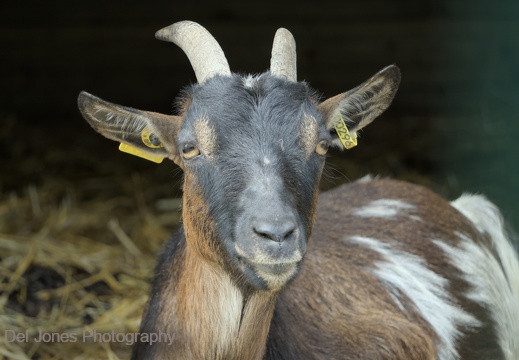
230 102
259 114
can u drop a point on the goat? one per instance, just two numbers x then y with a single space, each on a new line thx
392 271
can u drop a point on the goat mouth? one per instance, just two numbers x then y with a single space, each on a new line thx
272 267
275 269
271 276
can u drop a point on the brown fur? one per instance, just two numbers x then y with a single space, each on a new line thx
201 306
336 296
198 225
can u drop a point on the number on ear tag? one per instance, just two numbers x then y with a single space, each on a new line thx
347 140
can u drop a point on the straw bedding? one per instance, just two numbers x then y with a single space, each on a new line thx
68 267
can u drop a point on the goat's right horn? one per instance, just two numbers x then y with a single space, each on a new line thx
203 51
283 59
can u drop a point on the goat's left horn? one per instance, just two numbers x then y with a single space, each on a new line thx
283 59
203 51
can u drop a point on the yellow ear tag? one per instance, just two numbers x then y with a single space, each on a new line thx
132 150
148 139
347 140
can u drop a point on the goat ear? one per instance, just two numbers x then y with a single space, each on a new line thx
361 105
146 134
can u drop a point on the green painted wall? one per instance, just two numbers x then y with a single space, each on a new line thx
480 136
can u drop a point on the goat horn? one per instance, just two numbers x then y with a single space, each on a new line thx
203 51
283 59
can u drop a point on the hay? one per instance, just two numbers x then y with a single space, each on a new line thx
70 267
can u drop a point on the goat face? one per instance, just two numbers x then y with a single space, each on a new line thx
252 149
248 148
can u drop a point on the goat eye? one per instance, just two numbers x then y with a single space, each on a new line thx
190 151
322 147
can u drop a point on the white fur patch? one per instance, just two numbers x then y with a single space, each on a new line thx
495 281
229 305
224 302
366 179
385 208
408 274
249 81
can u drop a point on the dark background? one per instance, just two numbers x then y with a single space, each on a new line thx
453 125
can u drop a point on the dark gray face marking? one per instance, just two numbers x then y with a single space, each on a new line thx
258 172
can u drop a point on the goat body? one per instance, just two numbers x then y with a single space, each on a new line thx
396 272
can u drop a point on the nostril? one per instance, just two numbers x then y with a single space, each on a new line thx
263 234
289 234
278 233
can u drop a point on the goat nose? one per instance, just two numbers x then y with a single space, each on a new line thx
276 231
